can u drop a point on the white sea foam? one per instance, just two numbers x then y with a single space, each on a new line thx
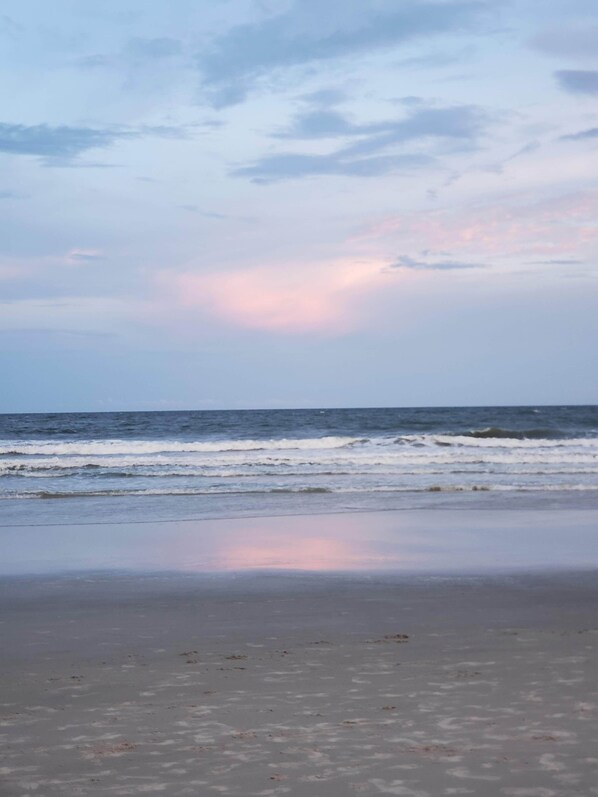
147 447
267 465
340 464
164 446
449 488
498 442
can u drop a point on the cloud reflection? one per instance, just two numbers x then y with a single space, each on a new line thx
276 551
310 543
407 541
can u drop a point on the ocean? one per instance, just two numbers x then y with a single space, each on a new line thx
95 467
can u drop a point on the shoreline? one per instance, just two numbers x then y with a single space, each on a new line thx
434 501
131 509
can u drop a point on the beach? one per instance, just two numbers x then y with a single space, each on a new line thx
299 399
302 602
275 680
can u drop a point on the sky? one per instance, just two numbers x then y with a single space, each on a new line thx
211 204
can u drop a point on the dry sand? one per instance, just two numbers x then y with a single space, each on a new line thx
315 685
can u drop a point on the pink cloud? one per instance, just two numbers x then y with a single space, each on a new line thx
520 226
291 298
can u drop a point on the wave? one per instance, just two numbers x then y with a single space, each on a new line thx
516 434
54 494
486 459
492 437
145 447
347 460
435 488
510 440
509 463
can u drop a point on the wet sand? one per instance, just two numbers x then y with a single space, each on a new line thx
441 540
299 684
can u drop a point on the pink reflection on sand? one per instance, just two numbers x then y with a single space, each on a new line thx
310 543
311 553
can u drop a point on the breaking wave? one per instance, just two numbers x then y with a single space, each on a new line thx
435 488
148 447
340 453
517 434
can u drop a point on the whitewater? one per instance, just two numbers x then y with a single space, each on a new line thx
301 453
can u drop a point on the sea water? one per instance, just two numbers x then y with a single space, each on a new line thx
90 467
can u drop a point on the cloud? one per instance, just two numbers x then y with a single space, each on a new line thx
61 144
306 32
76 256
570 41
288 166
521 226
137 52
435 60
56 162
161 131
404 261
362 158
43 140
320 124
570 261
208 214
578 81
582 135
410 101
154 49
212 214
9 27
292 298
325 97
459 121
95 61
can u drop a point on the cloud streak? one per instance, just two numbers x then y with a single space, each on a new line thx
46 141
365 155
458 122
80 256
583 135
405 261
64 143
287 166
304 34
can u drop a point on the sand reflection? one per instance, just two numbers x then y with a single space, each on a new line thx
391 541
311 543
276 551
314 543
